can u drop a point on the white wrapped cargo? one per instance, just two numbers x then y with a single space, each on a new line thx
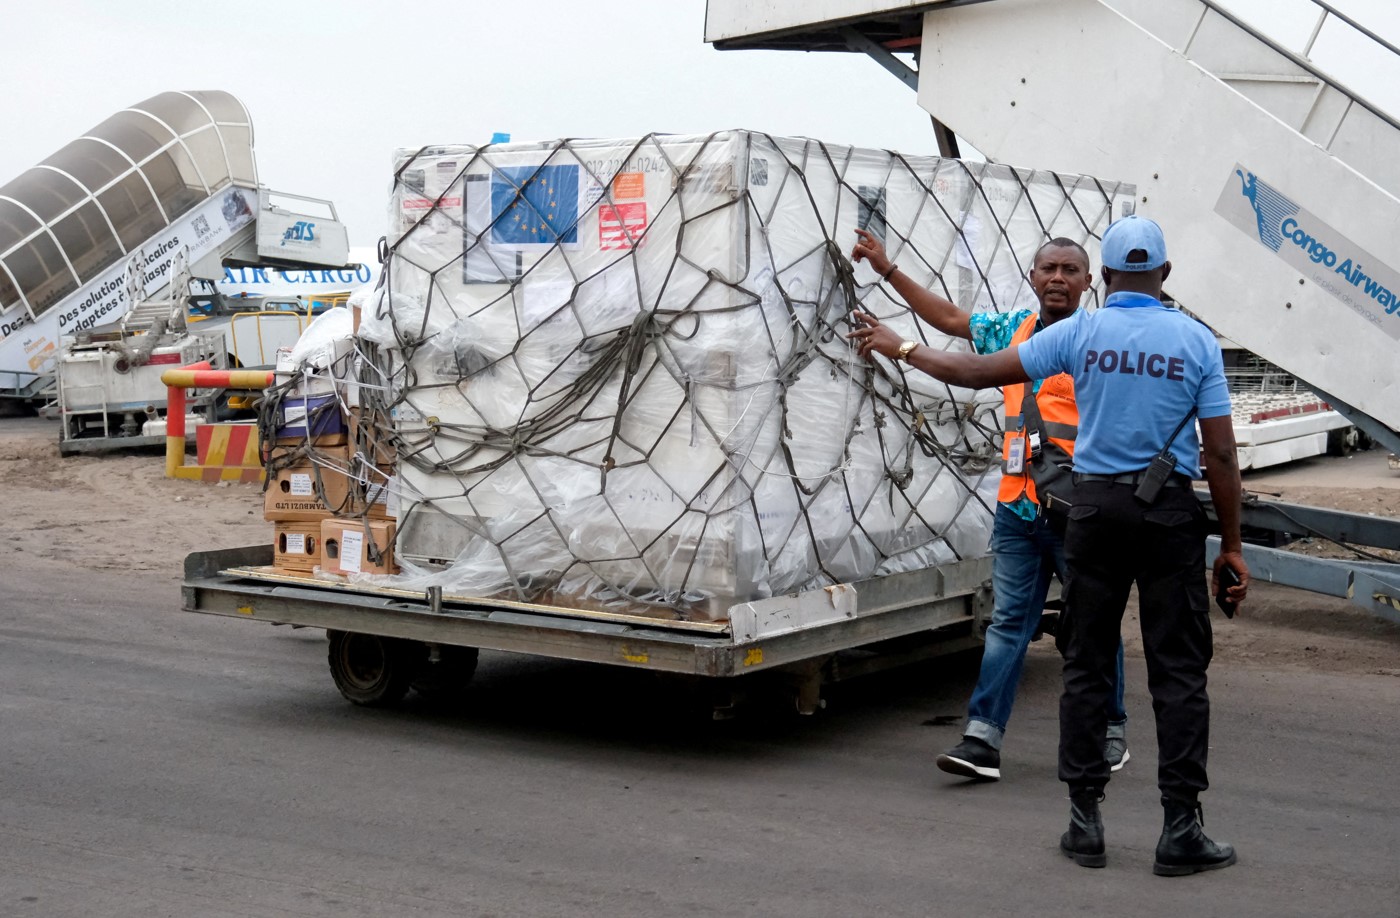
619 373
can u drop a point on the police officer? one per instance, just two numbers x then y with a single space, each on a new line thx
1141 372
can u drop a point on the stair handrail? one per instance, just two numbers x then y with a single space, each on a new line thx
1329 9
1307 64
1300 60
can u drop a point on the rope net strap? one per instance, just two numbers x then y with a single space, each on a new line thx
615 373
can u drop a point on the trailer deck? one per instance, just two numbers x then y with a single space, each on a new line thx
872 625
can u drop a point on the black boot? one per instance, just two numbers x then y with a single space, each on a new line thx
1183 848
1084 840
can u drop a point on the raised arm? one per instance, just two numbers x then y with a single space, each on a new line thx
1223 477
927 305
971 371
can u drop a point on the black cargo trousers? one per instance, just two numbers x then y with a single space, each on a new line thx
1111 542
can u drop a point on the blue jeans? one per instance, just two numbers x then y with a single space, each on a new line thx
1025 555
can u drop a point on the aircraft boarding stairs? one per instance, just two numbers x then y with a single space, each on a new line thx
162 311
95 228
1278 186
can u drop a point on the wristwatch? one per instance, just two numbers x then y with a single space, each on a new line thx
905 350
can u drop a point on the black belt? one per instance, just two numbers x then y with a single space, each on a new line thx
1177 480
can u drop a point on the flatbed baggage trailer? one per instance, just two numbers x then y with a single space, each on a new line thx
384 641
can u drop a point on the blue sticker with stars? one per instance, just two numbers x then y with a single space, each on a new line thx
534 205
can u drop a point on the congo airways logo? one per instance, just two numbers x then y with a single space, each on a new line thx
1320 252
1270 208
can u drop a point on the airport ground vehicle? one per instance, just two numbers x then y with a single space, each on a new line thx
384 642
805 578
109 391
1278 419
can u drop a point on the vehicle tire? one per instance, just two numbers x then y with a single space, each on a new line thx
371 670
446 679
1342 441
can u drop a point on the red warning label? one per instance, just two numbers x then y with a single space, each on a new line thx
620 226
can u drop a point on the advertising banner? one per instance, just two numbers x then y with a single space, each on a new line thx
29 345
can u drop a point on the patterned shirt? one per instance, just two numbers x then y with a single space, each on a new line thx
992 332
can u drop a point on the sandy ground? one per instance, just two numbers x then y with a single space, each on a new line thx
119 512
115 511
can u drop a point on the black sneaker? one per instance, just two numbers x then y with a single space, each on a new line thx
972 758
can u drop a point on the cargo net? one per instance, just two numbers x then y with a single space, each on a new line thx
617 373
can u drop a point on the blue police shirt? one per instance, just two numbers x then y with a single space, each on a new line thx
1138 368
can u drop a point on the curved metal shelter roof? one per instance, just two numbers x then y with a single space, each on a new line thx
102 196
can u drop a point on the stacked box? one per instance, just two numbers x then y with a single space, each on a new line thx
296 546
617 371
318 484
326 465
357 546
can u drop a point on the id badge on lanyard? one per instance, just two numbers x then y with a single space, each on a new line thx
1016 456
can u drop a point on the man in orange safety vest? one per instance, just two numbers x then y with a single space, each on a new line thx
1026 550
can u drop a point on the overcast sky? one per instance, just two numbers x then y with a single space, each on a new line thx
334 87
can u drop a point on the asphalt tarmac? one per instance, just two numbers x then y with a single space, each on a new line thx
154 762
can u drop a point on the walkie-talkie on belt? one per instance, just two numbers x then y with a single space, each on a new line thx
1160 468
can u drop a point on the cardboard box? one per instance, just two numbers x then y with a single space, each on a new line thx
281 451
296 546
335 438
371 432
380 495
346 546
293 493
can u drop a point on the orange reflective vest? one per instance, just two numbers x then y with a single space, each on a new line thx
1057 409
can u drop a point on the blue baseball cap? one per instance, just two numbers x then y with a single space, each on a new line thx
1130 235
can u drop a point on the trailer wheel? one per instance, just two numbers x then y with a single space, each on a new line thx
371 670
445 672
1342 441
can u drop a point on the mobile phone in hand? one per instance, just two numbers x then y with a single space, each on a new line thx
1228 578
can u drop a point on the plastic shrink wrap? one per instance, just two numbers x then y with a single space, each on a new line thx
618 375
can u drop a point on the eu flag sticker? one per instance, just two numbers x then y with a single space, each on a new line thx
534 205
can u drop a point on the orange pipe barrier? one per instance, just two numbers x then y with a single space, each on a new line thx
197 376
200 376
